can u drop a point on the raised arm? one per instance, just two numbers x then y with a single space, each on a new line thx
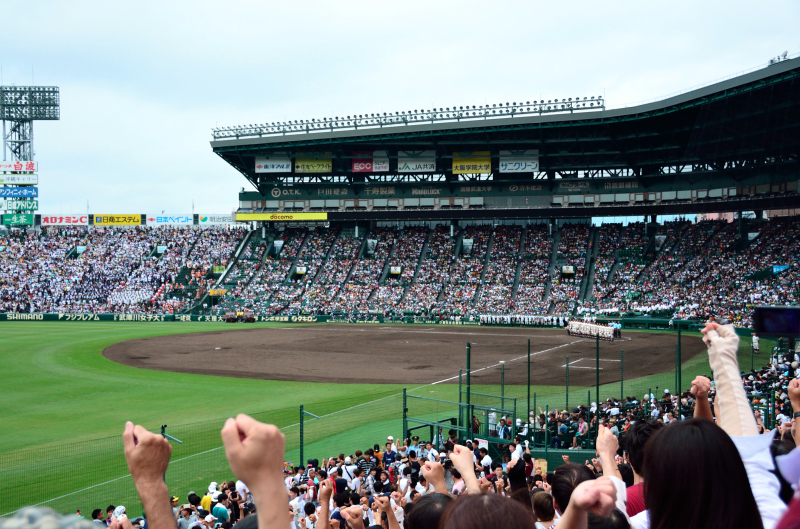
147 455
702 408
462 460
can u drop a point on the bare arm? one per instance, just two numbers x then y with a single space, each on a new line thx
148 457
702 408
462 460
434 473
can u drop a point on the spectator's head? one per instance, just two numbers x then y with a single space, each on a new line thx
341 499
193 499
294 492
427 511
696 455
543 506
634 442
309 509
97 514
110 511
483 452
412 454
478 511
564 481
616 520
626 472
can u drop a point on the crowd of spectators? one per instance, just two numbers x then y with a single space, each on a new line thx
703 456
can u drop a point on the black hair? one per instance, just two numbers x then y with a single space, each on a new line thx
309 509
697 455
110 508
251 522
616 520
483 450
96 514
455 473
295 490
564 481
340 499
222 497
626 472
634 441
427 511
354 498
412 453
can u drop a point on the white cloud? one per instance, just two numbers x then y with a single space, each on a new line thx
142 84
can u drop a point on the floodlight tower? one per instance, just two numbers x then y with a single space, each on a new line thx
20 106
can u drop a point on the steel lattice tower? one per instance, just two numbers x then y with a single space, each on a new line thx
20 106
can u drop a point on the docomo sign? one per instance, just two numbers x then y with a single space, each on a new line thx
64 220
370 162
280 217
19 166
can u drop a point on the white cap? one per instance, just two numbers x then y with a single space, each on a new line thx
215 496
519 421
666 390
212 487
210 519
347 460
390 438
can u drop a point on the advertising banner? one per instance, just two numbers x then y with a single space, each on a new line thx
19 166
280 217
416 161
218 269
567 269
64 220
273 164
185 220
18 219
519 161
80 249
309 164
215 218
776 269
277 245
395 269
371 245
370 162
19 205
161 249
660 240
466 244
479 162
117 220
19 192
301 270
19 179
218 292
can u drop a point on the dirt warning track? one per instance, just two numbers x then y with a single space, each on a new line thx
397 354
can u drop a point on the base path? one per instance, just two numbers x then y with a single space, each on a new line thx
400 354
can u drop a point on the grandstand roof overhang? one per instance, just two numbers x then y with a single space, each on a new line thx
745 130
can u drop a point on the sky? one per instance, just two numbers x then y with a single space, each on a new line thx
142 84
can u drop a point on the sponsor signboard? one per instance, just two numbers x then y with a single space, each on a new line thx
80 249
301 270
567 269
19 179
752 235
161 249
395 269
162 219
280 217
217 269
218 291
779 268
479 162
277 244
215 218
313 164
416 161
519 161
466 244
371 245
19 166
19 192
18 219
117 220
370 162
61 220
19 205
273 164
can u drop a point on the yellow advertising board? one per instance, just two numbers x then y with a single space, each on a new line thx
479 162
313 165
280 217
218 292
117 220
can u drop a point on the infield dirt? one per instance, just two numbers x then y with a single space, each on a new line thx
395 354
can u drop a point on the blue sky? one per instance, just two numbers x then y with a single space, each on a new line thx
143 84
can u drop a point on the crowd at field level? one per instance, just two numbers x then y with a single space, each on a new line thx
719 468
119 271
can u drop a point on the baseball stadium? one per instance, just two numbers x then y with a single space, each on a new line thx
520 278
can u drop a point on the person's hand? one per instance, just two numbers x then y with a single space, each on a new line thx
498 485
547 487
396 496
147 454
595 496
511 464
485 485
462 459
565 458
254 450
301 522
700 387
384 504
607 442
326 491
596 464
354 516
794 394
433 471
335 524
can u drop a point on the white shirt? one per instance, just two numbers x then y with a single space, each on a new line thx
486 461
241 488
517 454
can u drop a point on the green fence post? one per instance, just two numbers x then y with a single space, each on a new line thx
546 430
752 362
567 399
529 383
460 410
589 398
503 384
621 375
302 461
772 412
678 389
649 392
535 409
468 382
405 414
597 367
